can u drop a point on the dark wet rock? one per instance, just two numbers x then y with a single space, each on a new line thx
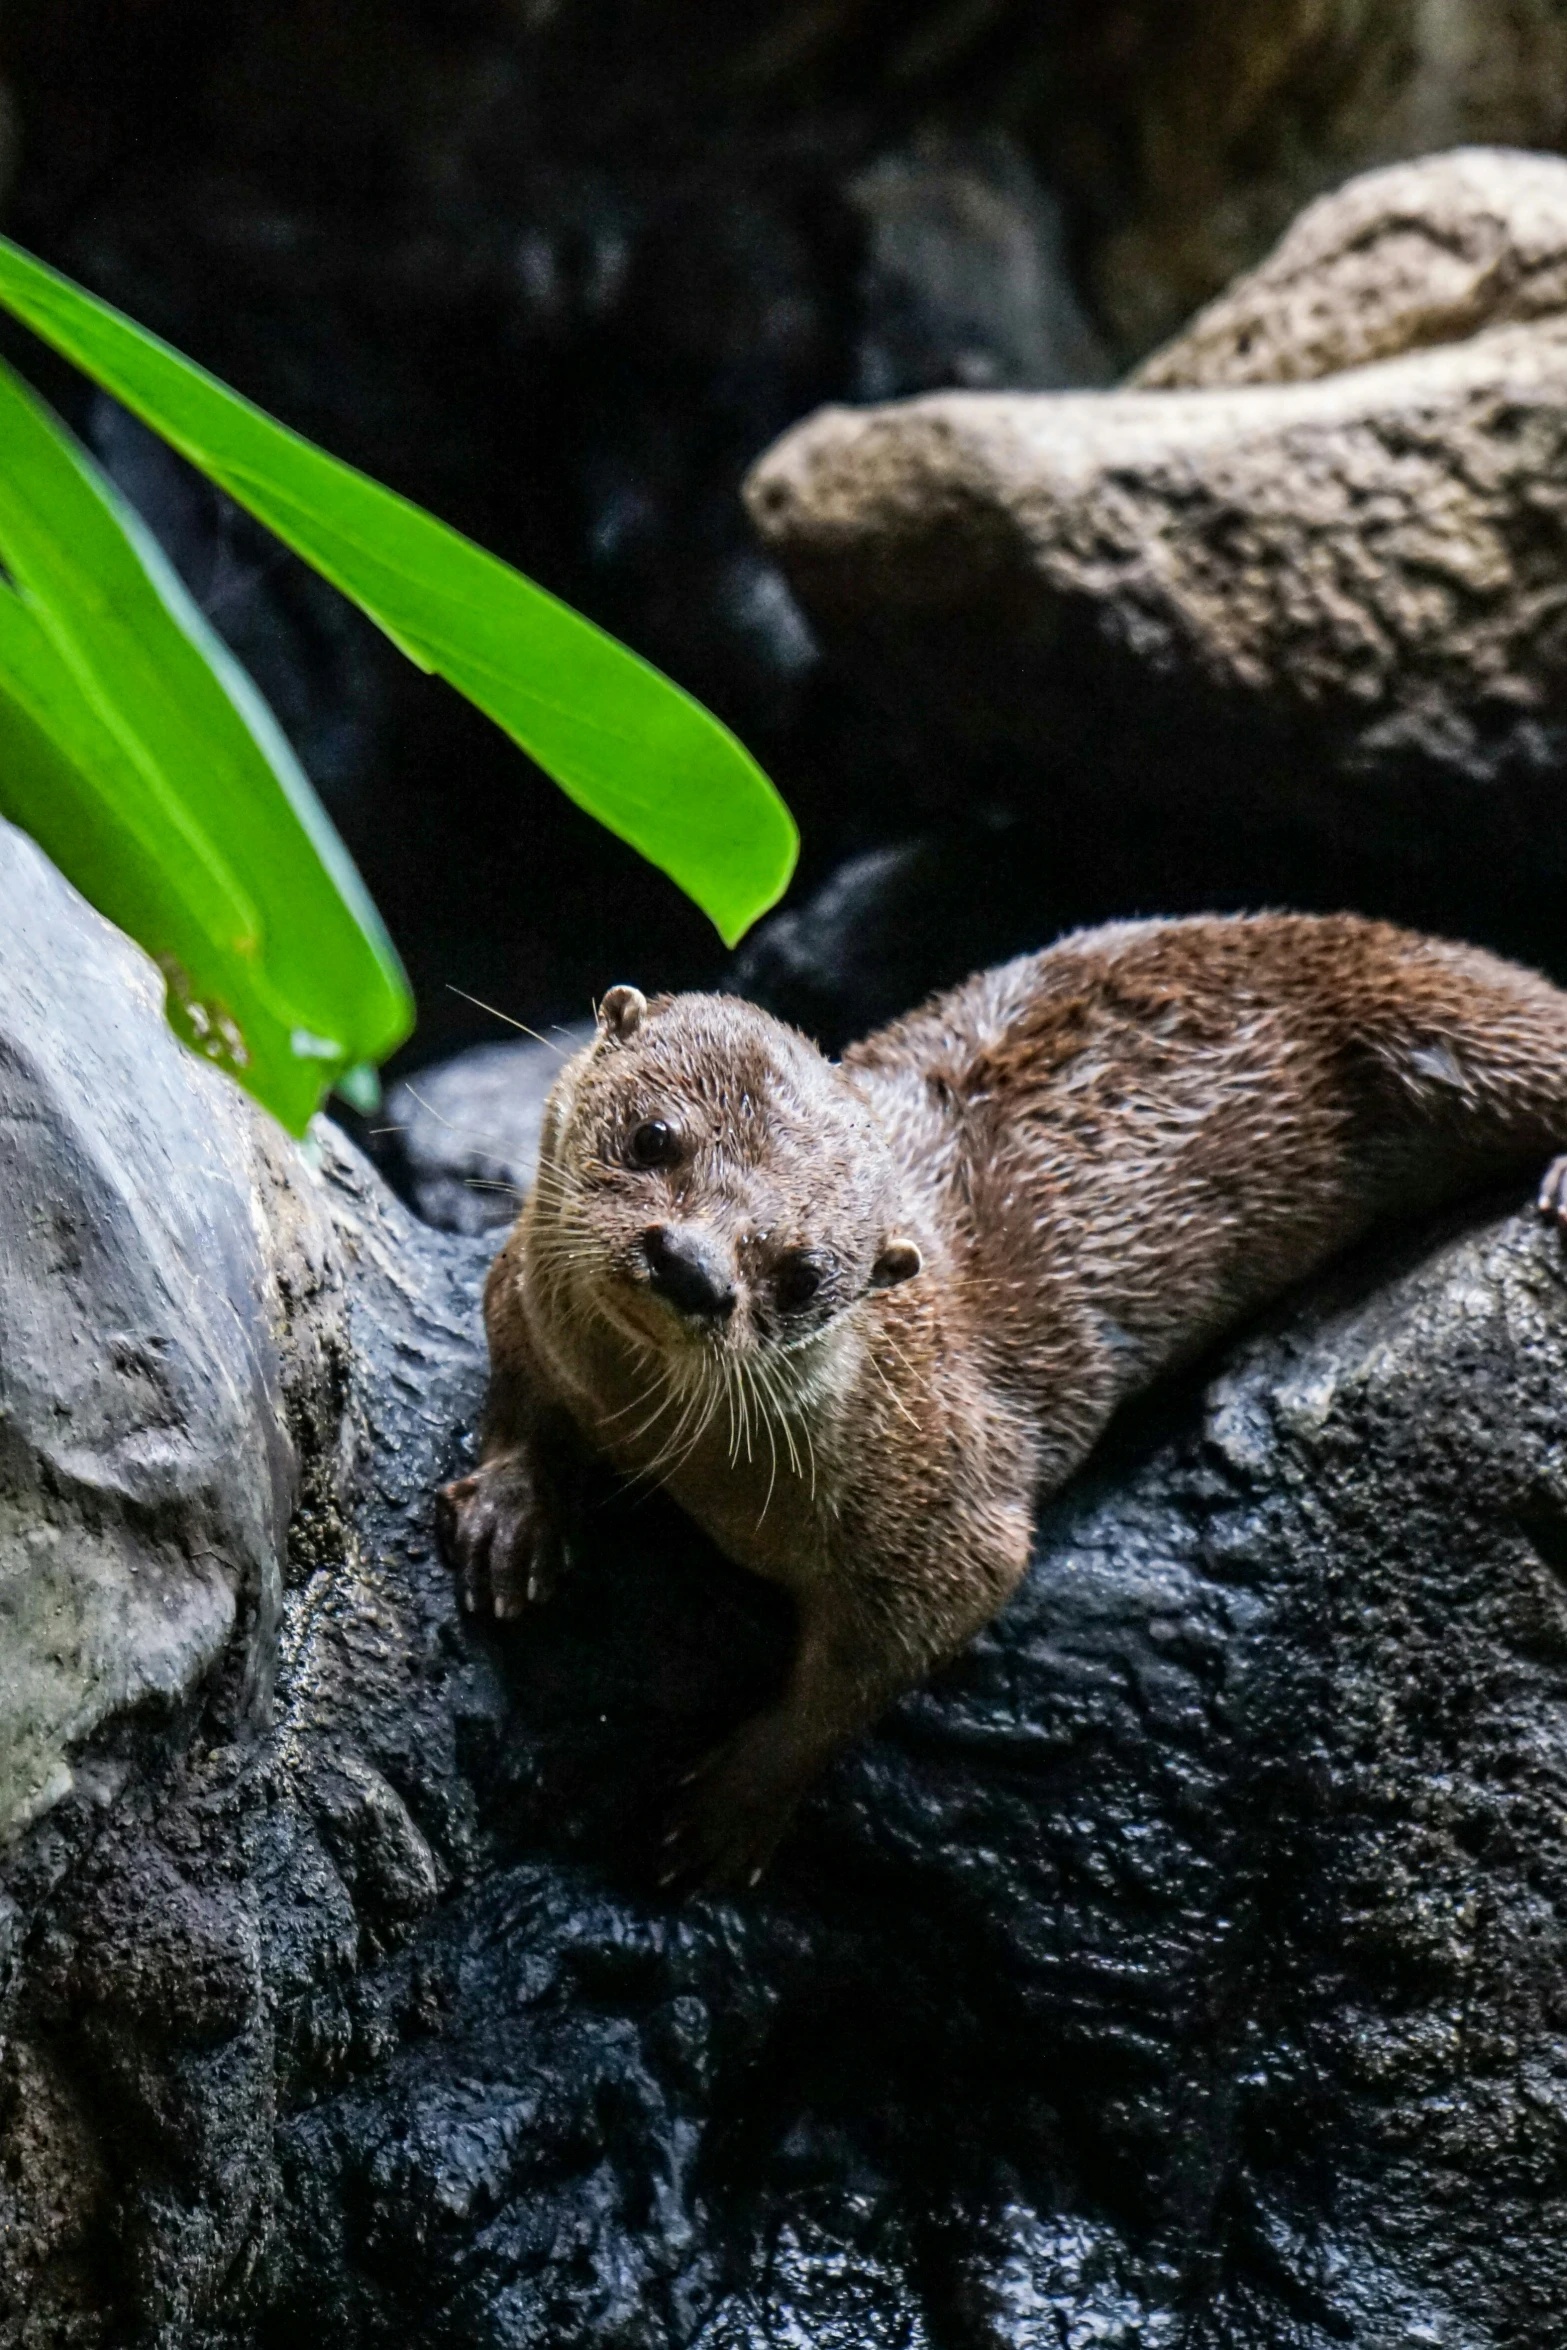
1185 1959
1183 1968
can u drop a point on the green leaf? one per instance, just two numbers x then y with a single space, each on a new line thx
138 754
626 744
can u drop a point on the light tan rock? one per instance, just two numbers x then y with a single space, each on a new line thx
1379 557
1422 253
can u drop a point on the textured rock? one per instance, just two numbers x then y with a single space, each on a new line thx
211 1704
1262 587
1185 1958
166 1304
1421 253
1183 1968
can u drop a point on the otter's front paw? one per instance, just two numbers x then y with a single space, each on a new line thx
731 1813
500 1537
1552 1197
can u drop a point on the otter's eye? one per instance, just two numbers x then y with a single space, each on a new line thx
653 1144
796 1283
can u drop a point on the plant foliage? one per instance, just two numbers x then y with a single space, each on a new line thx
138 754
630 747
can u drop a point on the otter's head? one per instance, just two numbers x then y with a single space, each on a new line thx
710 1184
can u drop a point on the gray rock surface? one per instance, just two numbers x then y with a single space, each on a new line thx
166 1299
1425 252
1183 1968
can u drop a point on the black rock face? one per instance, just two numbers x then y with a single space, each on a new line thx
1183 1967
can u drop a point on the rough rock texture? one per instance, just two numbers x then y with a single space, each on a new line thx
1334 605
197 1334
1425 252
1184 1968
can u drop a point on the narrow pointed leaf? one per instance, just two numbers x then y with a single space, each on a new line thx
139 755
630 747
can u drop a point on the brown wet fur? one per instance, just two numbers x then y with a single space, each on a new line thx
1022 1203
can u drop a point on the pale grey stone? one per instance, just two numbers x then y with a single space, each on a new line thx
160 1244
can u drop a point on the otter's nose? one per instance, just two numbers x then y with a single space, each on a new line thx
689 1271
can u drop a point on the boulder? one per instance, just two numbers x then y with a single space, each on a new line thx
1183 1966
196 1854
1186 1959
1425 252
168 1297
1321 618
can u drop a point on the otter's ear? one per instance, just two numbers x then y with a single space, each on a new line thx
620 1013
899 1261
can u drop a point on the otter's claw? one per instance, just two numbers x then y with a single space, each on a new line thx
731 1811
498 1539
1552 1197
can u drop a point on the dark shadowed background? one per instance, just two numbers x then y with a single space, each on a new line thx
563 268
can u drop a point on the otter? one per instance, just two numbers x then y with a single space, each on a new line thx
860 1317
